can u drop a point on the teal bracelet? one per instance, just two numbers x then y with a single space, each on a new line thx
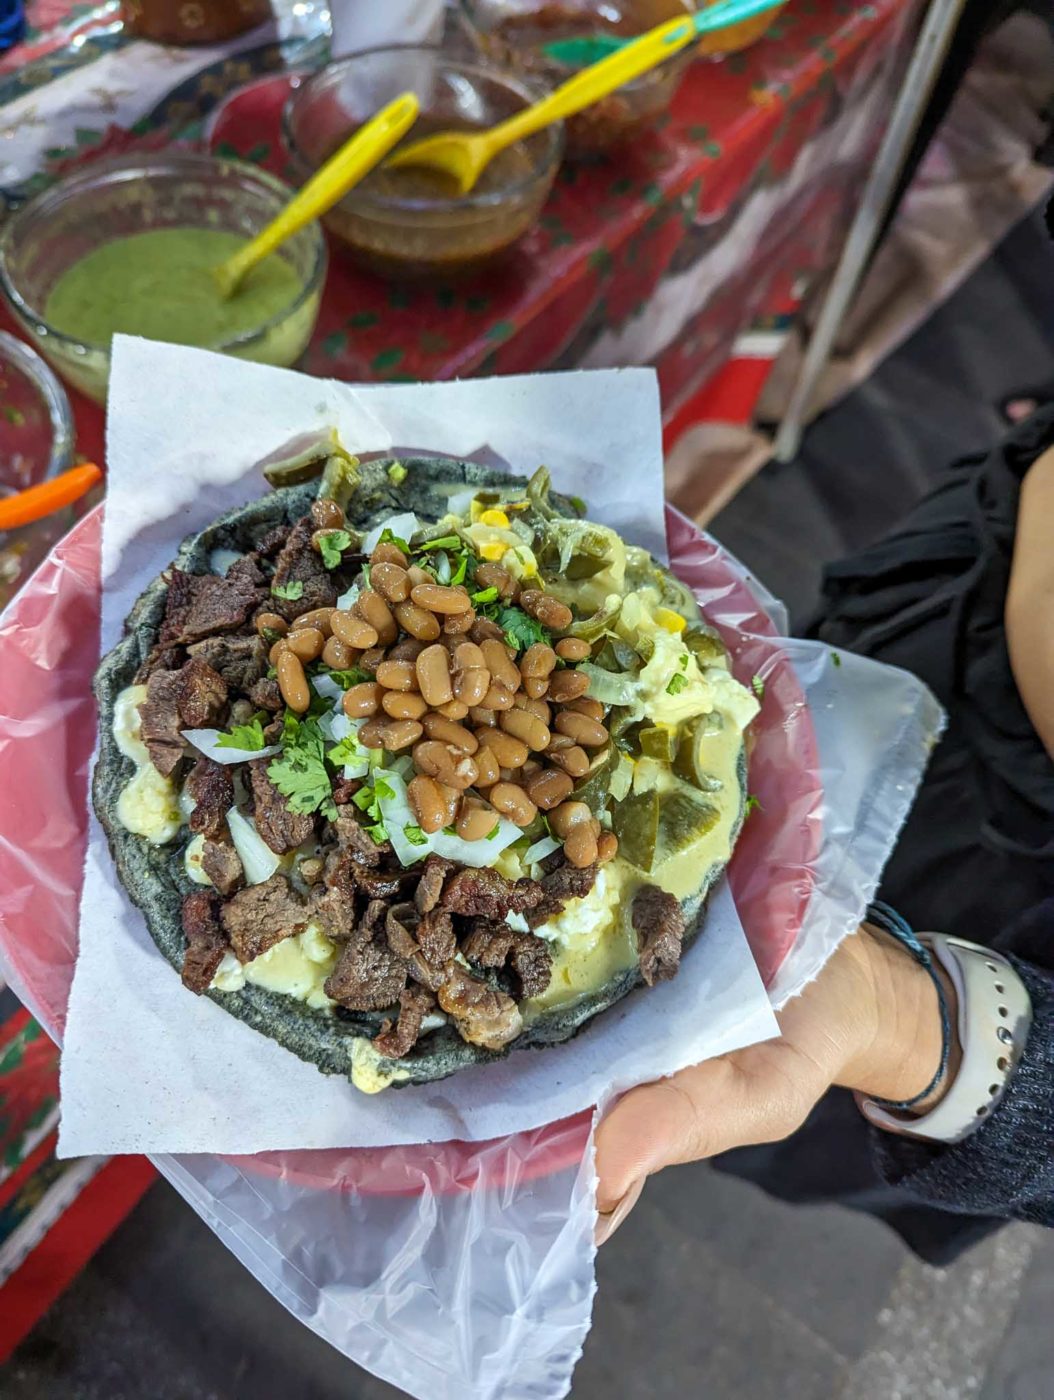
898 928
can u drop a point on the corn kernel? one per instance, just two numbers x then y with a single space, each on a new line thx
670 620
492 551
495 517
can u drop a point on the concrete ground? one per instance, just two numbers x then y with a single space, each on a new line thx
710 1289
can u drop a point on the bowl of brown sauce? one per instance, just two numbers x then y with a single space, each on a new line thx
515 35
412 222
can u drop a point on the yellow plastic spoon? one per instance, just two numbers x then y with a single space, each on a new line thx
464 155
356 158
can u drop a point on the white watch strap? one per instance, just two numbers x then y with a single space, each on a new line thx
994 1016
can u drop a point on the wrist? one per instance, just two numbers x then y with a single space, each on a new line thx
898 1049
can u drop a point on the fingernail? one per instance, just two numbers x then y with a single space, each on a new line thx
609 1222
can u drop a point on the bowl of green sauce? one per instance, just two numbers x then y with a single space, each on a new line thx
128 246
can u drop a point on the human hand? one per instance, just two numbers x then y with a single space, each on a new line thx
870 1022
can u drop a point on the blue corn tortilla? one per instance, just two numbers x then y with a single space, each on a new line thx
155 878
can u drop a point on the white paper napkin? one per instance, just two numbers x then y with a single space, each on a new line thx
147 1066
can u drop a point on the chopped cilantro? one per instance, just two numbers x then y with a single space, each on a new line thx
356 675
757 685
272 672
332 544
378 833
578 504
381 788
450 831
753 804
466 568
836 660
243 736
415 836
290 591
444 542
485 595
363 798
390 537
495 832
397 473
683 663
520 630
676 685
300 774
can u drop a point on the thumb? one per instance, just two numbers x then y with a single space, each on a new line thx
755 1095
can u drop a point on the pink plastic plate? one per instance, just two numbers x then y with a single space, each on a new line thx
49 646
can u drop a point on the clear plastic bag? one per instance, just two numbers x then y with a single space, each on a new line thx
460 1269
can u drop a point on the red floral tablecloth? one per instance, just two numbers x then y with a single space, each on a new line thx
690 251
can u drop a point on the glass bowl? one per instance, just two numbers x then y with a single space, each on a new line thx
512 34
36 443
113 198
413 223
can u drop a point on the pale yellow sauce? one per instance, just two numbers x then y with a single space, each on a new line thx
370 1072
296 967
148 805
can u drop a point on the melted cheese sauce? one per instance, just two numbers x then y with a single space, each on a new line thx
370 1072
296 967
590 940
148 805
192 860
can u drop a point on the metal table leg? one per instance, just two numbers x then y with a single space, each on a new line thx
930 51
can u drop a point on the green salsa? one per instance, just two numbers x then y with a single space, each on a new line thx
160 285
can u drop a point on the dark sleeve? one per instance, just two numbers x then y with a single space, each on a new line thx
1005 1168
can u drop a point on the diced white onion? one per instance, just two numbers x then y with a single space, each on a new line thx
258 860
460 503
327 687
443 569
544 846
518 922
349 595
404 527
205 740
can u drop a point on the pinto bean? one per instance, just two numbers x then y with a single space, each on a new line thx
471 686
306 643
433 675
292 682
397 675
390 734
271 622
538 660
409 649
581 846
457 624
549 788
511 801
385 552
521 724
567 685
338 655
532 706
371 659
484 629
536 686
509 751
372 608
491 575
549 611
585 706
498 697
482 717
572 759
607 846
352 631
317 617
453 709
583 730
361 700
390 581
447 732
417 621
498 662
488 769
326 514
476 821
572 649
437 598
567 815
427 803
401 704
